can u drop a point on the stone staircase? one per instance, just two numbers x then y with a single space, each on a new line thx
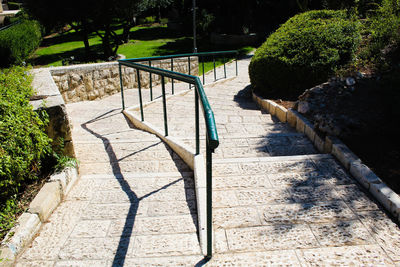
276 201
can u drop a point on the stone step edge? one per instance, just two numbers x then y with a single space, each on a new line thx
275 159
333 145
195 162
41 207
137 175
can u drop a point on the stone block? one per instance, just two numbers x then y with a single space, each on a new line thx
300 124
319 143
363 174
395 208
105 73
281 113
309 130
291 117
75 77
264 104
46 200
61 178
328 144
272 107
66 178
26 228
382 193
343 153
63 86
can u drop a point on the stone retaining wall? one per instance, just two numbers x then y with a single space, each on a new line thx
93 81
48 98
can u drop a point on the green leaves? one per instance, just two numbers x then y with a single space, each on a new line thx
19 41
23 142
304 52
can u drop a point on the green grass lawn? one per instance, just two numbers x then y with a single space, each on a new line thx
145 42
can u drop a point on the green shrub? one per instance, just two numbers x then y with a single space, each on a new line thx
383 29
23 142
303 52
19 41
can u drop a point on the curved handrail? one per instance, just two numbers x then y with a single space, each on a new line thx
211 126
212 140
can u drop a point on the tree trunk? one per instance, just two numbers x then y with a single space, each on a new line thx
106 42
85 36
158 16
126 34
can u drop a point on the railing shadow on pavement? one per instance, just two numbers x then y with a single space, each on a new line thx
134 200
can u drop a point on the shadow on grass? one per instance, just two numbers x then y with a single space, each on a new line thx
154 33
78 54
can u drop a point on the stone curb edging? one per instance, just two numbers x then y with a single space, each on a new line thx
41 207
364 175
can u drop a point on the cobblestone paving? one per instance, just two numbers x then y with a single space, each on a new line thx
276 201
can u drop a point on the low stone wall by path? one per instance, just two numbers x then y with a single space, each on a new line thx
47 97
93 81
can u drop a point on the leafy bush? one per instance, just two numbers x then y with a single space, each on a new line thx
19 41
23 142
383 30
303 52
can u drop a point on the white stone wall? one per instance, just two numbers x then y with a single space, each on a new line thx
93 81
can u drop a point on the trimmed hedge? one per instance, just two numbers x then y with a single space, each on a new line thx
19 41
303 52
23 142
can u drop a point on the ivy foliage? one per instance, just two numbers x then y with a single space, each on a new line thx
23 142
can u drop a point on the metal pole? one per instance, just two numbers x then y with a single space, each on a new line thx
202 62
190 85
215 74
224 69
236 67
151 84
122 87
140 95
209 199
172 69
196 105
194 27
164 105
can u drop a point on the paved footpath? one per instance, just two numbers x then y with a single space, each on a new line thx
276 200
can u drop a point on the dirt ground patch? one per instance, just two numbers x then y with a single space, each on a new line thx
363 112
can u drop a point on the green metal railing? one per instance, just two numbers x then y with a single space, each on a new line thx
212 141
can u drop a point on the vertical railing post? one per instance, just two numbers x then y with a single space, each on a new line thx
189 67
122 87
215 74
151 84
202 62
140 95
224 69
197 119
172 80
164 105
209 198
236 66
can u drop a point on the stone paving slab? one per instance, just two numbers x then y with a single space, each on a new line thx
276 202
